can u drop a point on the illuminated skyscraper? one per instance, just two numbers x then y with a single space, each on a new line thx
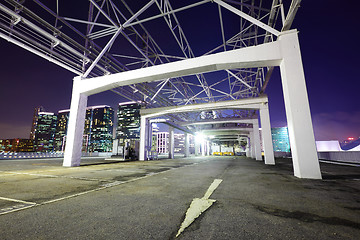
162 142
61 128
280 138
45 132
35 120
99 128
128 126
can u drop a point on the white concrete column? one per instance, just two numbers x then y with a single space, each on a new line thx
75 130
252 145
208 148
187 144
197 146
247 150
144 123
257 145
115 148
203 143
266 135
171 145
302 141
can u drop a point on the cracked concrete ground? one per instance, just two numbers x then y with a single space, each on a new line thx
39 199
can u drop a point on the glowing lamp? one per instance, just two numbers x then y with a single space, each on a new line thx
199 137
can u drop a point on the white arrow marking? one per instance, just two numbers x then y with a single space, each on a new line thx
198 206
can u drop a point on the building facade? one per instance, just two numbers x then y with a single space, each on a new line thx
128 116
44 134
280 138
98 129
162 142
162 139
35 121
98 132
61 128
16 145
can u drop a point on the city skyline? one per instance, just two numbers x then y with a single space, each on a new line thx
328 57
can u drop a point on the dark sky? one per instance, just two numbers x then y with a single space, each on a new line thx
329 45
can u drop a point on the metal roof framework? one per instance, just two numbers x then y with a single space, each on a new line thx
106 37
117 37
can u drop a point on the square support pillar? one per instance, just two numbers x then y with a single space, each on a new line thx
75 130
144 124
248 148
171 145
208 148
256 140
197 146
266 135
203 147
252 144
301 135
187 145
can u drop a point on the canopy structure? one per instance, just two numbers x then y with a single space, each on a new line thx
192 60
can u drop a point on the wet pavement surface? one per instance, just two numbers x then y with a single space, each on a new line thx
106 199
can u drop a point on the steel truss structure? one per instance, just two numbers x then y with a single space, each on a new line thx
101 37
211 57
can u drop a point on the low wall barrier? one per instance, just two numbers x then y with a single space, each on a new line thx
33 155
25 155
282 154
349 157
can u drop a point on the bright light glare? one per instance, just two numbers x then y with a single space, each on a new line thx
199 137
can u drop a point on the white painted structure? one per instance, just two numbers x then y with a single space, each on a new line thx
285 52
328 146
253 103
94 60
333 146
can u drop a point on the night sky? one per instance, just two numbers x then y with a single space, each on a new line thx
329 45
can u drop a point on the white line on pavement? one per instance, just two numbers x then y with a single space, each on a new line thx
16 200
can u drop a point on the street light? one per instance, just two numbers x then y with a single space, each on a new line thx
199 137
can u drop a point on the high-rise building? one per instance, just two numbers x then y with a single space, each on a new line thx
280 138
162 142
61 128
45 132
35 120
99 128
179 142
128 126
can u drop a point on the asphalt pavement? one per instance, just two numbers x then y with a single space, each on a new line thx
104 199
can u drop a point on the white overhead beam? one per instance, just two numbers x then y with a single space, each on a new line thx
247 103
171 124
220 121
264 55
228 131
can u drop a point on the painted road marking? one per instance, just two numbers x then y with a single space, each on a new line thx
53 176
16 200
18 207
15 208
107 185
198 206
